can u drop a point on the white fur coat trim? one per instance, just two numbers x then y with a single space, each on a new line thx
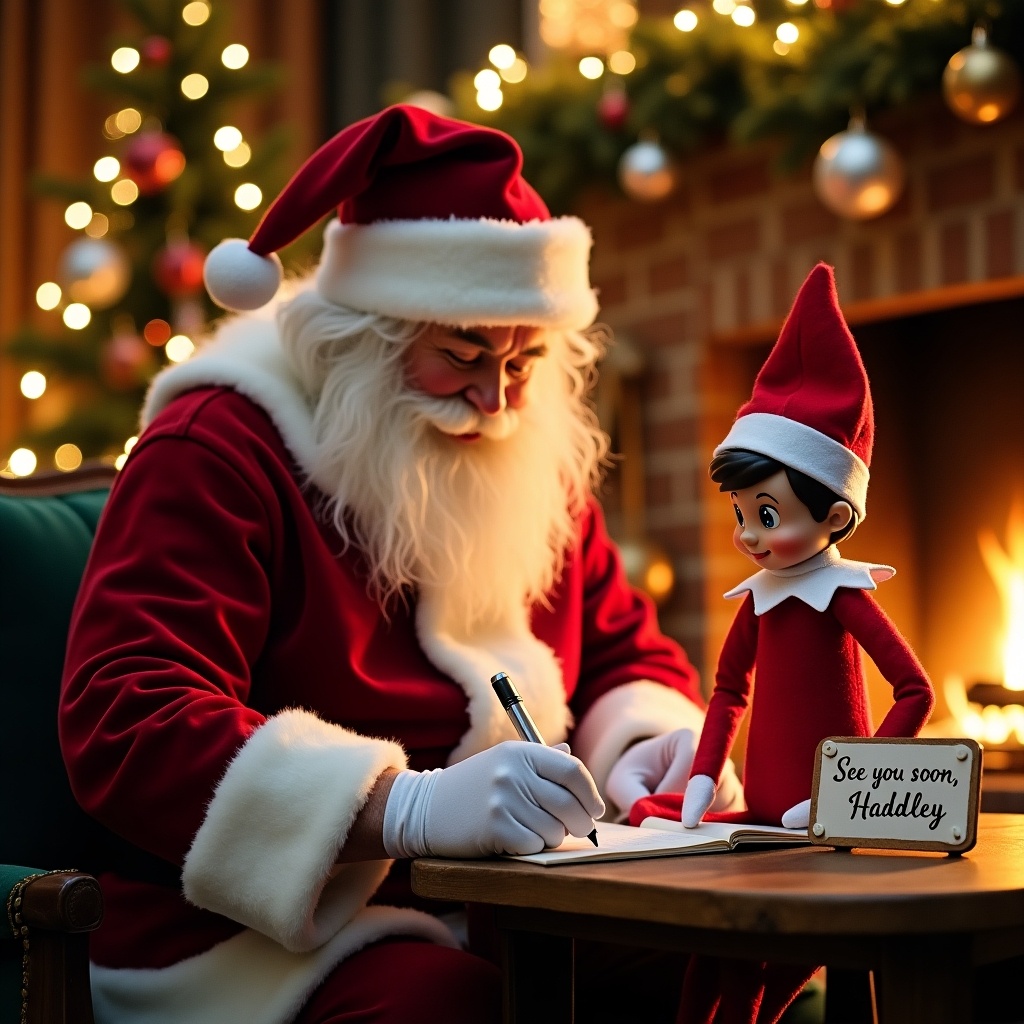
249 978
508 646
463 272
245 355
624 715
265 853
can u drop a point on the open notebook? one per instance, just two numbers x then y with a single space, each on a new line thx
659 837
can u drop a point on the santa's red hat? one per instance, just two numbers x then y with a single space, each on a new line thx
811 405
434 223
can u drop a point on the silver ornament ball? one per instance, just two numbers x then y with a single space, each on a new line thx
94 271
646 172
858 175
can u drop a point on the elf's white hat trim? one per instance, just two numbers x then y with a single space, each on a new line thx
462 272
803 448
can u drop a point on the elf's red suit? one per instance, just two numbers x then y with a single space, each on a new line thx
797 638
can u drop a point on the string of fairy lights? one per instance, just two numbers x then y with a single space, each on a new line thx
124 191
602 28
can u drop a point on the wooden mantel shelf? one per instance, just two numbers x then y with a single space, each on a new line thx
891 307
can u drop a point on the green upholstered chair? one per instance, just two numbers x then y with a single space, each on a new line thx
47 843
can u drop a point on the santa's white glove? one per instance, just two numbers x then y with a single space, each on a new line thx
798 816
698 798
660 764
513 798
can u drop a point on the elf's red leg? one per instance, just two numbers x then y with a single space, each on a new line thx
783 983
701 990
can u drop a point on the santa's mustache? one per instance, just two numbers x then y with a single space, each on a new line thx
456 416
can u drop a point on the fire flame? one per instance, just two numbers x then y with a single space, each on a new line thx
993 725
1007 570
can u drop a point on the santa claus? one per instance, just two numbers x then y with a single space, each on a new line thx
343 516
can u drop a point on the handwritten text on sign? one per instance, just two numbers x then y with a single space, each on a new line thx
911 794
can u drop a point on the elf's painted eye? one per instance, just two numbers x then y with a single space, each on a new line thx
739 514
769 516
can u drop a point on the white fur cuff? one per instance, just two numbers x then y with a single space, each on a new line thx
265 853
622 716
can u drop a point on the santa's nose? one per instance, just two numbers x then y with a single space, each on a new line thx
487 393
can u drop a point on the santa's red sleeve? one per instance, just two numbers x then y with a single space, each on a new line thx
867 623
158 739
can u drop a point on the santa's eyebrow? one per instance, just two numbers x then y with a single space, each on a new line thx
473 338
765 494
483 341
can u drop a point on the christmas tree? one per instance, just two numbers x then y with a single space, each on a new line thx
172 178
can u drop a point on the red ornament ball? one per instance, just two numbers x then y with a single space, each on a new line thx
126 361
613 109
178 269
152 160
156 51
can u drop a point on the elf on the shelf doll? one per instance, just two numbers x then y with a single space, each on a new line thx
795 467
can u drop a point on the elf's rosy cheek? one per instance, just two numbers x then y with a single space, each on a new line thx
784 544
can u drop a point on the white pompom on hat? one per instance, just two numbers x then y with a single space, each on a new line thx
434 222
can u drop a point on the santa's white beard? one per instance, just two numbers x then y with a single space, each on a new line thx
486 523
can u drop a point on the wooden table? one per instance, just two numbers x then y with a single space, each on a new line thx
919 921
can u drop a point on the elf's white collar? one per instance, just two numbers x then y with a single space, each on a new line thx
813 581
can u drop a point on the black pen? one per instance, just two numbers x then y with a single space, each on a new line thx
512 702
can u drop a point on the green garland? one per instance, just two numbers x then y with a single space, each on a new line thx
722 82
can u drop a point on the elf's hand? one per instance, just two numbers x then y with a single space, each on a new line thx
798 816
698 798
660 764
512 798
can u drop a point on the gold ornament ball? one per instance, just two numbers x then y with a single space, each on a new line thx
646 172
858 175
648 568
981 84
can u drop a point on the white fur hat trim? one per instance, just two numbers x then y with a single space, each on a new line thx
463 272
802 447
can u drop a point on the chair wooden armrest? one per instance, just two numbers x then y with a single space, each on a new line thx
52 914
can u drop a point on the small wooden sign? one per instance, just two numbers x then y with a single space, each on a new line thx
896 794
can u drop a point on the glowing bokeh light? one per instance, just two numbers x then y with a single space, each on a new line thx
33 384
248 196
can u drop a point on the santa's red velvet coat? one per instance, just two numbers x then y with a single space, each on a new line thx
232 692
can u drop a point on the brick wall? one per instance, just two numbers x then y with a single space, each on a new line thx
701 281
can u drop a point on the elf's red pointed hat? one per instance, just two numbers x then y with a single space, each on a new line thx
811 405
434 223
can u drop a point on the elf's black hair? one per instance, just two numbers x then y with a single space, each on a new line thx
737 468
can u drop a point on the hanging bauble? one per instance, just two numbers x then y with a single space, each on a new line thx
857 174
981 83
613 109
646 172
178 268
126 361
152 160
94 271
156 51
